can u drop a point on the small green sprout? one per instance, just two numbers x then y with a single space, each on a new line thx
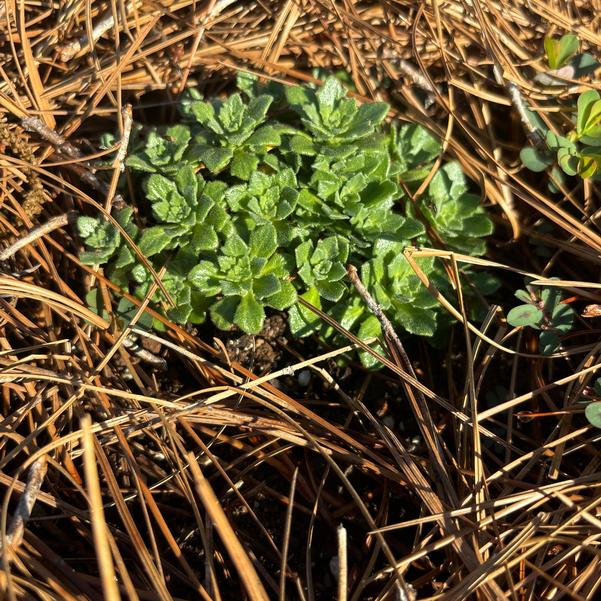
543 310
593 409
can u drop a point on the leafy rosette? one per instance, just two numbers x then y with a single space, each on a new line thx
244 214
247 276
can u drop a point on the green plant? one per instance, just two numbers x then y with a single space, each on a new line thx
592 410
560 51
543 310
578 152
245 212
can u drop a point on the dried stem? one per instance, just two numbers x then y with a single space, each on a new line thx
37 473
51 225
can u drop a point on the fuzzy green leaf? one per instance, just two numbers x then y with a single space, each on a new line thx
301 320
154 240
243 164
282 299
250 314
263 241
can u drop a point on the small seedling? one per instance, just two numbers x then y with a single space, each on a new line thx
560 51
578 152
543 310
593 409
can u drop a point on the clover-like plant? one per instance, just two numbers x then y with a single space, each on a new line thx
543 310
245 213
592 411
578 150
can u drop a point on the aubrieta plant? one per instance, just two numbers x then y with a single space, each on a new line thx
268 195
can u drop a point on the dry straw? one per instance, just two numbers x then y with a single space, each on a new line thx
194 477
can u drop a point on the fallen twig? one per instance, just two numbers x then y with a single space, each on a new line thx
37 472
38 232
65 148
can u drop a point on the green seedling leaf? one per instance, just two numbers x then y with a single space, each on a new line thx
249 314
593 414
560 51
584 64
548 342
568 161
589 112
534 159
525 315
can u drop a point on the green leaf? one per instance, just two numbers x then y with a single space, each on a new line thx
140 163
235 246
593 414
534 159
303 321
204 112
584 64
331 291
416 320
562 318
257 109
154 240
169 206
223 312
568 161
216 159
560 51
548 342
372 113
523 295
266 285
588 165
243 164
525 315
263 241
250 314
328 95
87 226
205 278
282 299
589 111
188 183
370 328
232 112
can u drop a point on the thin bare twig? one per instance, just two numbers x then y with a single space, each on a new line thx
342 563
286 544
104 24
51 225
65 148
126 115
37 473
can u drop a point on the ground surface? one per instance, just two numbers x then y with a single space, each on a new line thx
191 478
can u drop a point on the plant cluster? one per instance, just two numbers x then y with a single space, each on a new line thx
543 310
578 152
269 194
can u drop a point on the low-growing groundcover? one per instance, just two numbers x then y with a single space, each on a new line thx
270 194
